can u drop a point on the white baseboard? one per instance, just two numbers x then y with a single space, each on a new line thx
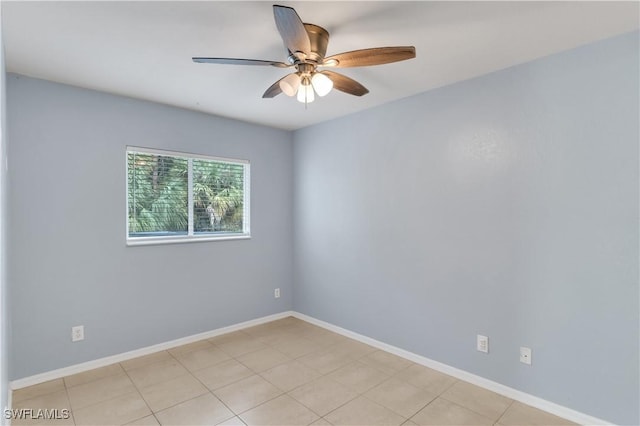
102 362
525 398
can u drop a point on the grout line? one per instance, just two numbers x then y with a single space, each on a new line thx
155 417
109 399
324 376
505 411
137 389
466 408
262 403
211 391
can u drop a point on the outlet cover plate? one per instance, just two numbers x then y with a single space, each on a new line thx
482 344
525 355
77 333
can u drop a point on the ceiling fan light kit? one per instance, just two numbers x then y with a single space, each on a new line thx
306 46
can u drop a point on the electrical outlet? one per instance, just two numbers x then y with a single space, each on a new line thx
77 333
525 355
276 293
482 344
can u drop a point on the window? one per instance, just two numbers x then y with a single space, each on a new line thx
176 197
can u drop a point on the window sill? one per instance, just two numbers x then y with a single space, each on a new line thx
149 241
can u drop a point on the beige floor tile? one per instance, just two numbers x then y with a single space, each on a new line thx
286 321
53 418
269 335
145 421
239 344
353 348
156 372
321 422
409 423
51 401
308 326
234 336
109 395
296 347
272 336
282 410
117 411
198 359
222 374
323 395
203 410
298 328
260 329
426 378
37 390
480 400
263 359
362 411
91 375
233 421
521 414
278 338
247 393
171 392
146 360
400 397
55 400
324 338
290 375
100 390
386 362
358 376
442 412
190 347
325 361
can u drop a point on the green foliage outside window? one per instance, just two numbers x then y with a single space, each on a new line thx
158 195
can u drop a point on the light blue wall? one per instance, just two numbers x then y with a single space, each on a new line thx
5 328
69 263
506 205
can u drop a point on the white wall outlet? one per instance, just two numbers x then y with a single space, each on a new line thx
482 344
525 355
276 293
77 333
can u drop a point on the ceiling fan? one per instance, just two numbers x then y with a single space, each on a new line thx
306 46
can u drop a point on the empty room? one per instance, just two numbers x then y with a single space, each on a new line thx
319 213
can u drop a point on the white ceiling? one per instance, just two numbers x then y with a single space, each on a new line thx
144 49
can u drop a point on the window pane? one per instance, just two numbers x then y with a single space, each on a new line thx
218 196
158 195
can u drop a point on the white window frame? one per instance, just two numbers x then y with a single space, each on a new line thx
190 237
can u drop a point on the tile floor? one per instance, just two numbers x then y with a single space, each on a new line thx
286 372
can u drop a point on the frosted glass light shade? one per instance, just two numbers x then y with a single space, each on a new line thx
305 94
321 83
290 84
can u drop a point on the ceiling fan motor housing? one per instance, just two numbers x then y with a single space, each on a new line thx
319 38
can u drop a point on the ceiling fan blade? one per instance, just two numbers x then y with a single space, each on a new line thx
274 90
233 61
373 56
292 30
346 84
